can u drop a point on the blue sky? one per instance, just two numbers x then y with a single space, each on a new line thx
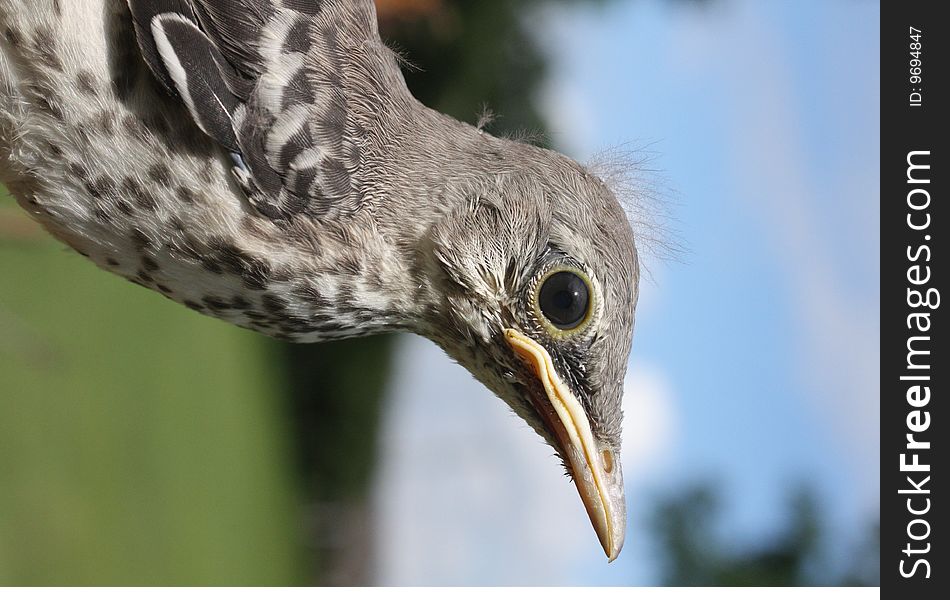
755 358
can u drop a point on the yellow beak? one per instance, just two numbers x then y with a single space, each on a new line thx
596 469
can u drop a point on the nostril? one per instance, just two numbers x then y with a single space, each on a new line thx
608 459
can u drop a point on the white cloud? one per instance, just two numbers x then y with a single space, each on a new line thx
649 420
570 115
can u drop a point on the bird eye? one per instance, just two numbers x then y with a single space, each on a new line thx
564 299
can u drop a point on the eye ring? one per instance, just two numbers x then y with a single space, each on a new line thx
564 301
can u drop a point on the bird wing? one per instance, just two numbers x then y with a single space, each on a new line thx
279 84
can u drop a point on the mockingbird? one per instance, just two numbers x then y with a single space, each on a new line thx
263 162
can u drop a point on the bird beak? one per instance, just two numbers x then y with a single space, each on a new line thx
596 469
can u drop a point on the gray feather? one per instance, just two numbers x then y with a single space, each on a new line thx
143 11
271 80
195 67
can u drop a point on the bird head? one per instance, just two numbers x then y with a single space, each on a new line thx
541 278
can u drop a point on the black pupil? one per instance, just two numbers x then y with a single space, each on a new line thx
564 299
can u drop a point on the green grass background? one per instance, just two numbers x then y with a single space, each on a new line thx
140 442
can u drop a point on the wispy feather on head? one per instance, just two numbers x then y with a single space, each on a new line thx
646 197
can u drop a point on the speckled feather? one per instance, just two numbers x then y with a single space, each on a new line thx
416 221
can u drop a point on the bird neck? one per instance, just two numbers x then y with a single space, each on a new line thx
423 168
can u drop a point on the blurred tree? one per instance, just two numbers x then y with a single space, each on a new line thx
694 553
335 392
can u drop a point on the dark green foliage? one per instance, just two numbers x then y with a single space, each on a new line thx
475 55
696 551
335 395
